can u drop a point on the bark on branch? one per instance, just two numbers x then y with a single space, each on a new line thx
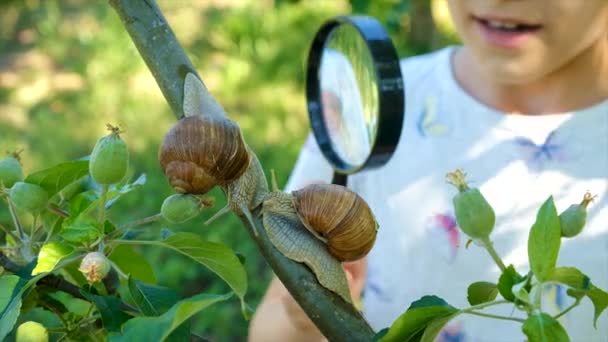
166 59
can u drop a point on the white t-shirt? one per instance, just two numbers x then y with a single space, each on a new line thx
517 162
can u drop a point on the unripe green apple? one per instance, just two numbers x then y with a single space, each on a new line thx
28 197
31 331
474 215
180 208
110 158
10 171
572 220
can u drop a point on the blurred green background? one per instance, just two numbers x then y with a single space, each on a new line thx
68 67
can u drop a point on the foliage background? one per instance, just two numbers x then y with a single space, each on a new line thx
68 67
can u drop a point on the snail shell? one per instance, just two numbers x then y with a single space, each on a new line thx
200 152
339 217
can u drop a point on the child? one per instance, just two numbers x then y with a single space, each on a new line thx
522 107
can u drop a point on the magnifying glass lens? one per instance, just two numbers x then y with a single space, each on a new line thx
349 94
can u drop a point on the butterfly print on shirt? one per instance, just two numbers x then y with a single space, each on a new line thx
427 124
536 156
446 234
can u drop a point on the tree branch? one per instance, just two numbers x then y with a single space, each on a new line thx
157 44
55 282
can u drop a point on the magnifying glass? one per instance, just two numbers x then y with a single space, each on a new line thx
354 92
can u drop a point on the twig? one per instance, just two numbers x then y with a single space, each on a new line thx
566 310
56 282
141 222
15 218
476 313
490 248
7 231
166 59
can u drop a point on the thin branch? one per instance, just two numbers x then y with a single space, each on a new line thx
566 310
490 248
16 221
505 318
166 59
8 232
141 222
56 282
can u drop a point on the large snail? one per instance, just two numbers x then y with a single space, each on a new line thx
206 149
200 152
342 226
338 217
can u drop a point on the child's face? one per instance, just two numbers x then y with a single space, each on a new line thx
520 41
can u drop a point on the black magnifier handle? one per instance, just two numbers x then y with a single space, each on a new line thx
339 179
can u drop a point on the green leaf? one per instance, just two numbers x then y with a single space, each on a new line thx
109 308
599 298
541 327
82 201
131 262
520 291
59 176
82 229
158 328
50 255
51 222
217 257
150 299
434 327
10 303
544 241
580 285
508 278
380 334
417 318
481 292
570 276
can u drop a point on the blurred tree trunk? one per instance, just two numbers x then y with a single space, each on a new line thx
423 34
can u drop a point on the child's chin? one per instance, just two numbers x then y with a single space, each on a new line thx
516 69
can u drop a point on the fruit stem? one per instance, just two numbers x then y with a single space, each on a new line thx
495 316
8 232
141 222
16 221
102 207
538 295
490 248
566 310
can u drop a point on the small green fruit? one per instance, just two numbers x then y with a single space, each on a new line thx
28 197
31 331
573 219
10 170
474 214
180 208
95 267
109 159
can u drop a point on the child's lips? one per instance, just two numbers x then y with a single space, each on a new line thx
506 33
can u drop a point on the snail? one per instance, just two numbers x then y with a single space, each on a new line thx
206 148
200 152
320 225
336 216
